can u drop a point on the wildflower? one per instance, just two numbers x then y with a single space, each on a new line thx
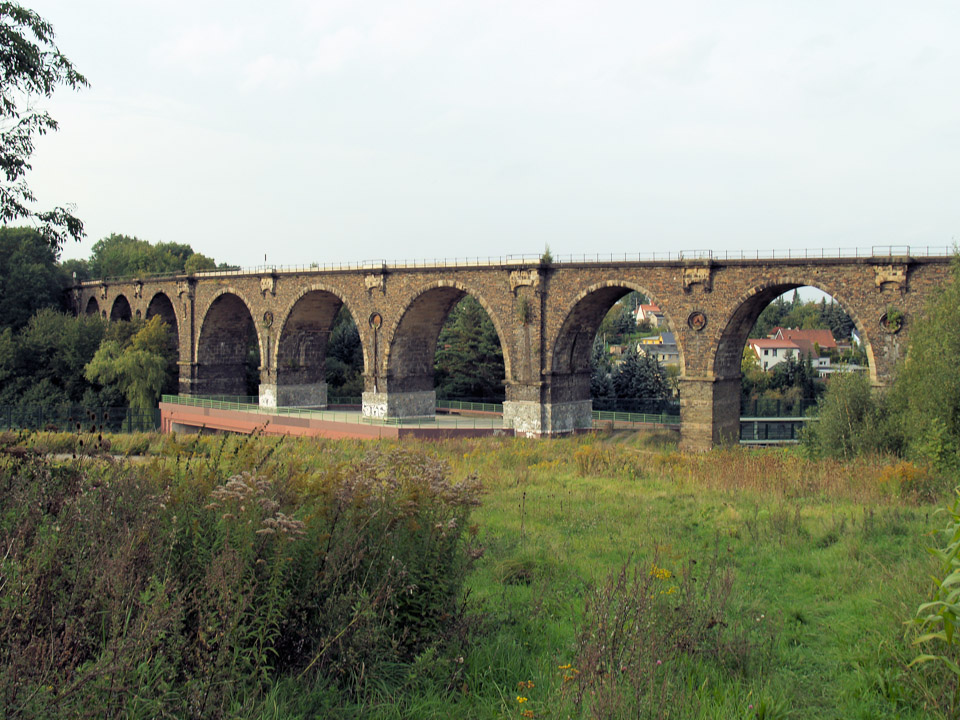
521 699
660 573
564 667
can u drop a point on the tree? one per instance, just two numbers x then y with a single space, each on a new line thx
601 382
641 381
43 363
32 67
344 364
29 276
925 397
137 368
469 359
126 256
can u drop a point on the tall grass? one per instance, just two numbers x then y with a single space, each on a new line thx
793 578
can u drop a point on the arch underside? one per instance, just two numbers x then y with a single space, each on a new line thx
222 347
728 357
302 346
726 364
410 363
161 305
93 307
120 311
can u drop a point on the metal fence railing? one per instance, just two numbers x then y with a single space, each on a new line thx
767 430
777 408
74 418
876 251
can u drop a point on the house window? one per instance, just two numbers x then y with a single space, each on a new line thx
766 352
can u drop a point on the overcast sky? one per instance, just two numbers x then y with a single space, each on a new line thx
331 130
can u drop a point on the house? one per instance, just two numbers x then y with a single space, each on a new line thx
771 352
807 339
663 347
650 314
818 345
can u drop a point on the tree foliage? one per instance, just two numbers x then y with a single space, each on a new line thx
125 256
29 276
42 363
804 316
925 397
32 67
641 380
469 359
344 364
138 368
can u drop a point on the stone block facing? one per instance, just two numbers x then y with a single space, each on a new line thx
400 404
534 419
304 395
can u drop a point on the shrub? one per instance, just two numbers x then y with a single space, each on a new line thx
851 420
167 590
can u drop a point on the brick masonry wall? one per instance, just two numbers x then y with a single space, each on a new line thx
546 318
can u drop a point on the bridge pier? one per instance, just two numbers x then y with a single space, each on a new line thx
558 407
709 412
293 395
409 404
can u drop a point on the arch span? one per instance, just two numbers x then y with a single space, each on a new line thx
161 305
406 371
92 308
730 339
121 309
226 333
301 347
570 353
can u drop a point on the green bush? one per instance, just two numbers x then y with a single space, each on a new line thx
165 589
851 419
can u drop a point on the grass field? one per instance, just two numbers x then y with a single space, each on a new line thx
622 578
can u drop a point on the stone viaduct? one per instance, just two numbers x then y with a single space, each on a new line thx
546 314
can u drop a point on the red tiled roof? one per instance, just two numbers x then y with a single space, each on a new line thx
823 338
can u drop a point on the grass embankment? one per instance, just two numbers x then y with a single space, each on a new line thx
755 584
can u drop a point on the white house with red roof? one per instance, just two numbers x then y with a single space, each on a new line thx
771 352
651 314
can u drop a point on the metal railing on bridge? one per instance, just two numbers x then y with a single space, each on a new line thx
876 251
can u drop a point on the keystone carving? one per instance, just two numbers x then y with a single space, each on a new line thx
268 284
103 292
891 274
694 275
184 287
375 281
529 278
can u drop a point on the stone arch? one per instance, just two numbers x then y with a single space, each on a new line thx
411 341
730 338
92 308
160 304
222 344
300 346
569 353
121 309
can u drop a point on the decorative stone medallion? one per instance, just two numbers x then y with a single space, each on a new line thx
267 319
697 320
376 320
891 321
